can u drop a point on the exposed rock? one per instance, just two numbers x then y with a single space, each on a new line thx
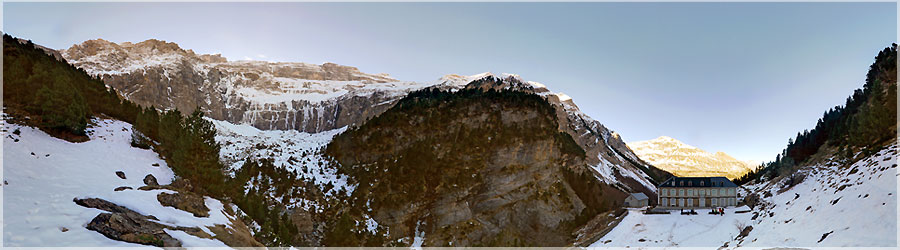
745 231
189 202
122 188
164 75
120 174
181 184
122 227
109 207
150 180
302 220
124 224
474 169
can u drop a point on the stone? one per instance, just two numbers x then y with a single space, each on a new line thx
150 180
185 201
122 188
120 174
122 227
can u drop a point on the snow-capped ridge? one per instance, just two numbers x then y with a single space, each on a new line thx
682 159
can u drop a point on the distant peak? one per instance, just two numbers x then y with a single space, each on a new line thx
666 138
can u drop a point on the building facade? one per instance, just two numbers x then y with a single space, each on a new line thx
637 200
697 192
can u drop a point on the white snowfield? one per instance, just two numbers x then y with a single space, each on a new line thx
861 214
675 230
291 149
42 175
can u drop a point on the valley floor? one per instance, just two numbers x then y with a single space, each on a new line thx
837 205
675 230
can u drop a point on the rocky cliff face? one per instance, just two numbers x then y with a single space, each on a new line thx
267 95
686 160
316 98
610 159
470 167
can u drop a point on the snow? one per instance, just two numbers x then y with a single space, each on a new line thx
190 240
38 202
682 159
865 215
563 97
674 229
291 149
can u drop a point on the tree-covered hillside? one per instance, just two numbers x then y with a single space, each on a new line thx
866 120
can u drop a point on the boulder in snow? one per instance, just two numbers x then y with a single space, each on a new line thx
150 180
189 202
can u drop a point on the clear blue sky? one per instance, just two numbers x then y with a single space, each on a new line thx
740 78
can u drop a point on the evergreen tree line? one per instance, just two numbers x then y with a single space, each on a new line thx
867 118
61 98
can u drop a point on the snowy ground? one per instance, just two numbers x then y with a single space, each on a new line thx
858 209
854 210
42 175
293 150
675 230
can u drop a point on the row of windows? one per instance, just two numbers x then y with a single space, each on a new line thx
681 202
699 192
681 183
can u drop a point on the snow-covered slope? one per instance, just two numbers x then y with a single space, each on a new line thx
855 206
834 206
293 150
42 175
681 159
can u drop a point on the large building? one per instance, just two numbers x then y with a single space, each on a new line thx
697 192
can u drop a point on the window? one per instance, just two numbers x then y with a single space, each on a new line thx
700 192
690 202
714 193
672 202
681 192
664 202
681 183
714 202
722 192
690 184
690 192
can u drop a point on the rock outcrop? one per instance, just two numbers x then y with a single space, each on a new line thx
306 97
610 159
189 202
685 160
124 224
472 168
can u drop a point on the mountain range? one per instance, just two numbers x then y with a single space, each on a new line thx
682 159
297 154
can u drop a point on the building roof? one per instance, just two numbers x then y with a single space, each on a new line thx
640 196
698 182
